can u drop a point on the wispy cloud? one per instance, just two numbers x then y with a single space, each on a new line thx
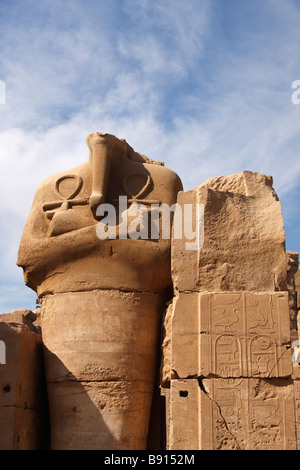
202 85
165 38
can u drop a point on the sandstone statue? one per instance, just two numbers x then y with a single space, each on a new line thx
101 299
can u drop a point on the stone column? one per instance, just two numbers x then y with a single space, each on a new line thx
101 296
230 365
23 397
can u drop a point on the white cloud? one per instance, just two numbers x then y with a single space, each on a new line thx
159 74
164 40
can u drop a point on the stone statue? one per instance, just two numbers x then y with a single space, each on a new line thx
101 298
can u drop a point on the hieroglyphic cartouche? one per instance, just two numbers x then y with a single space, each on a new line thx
248 334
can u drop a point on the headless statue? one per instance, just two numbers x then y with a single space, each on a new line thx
101 299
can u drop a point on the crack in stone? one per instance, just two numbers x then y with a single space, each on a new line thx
96 381
37 410
277 362
200 383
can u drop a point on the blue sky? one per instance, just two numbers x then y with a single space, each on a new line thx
204 85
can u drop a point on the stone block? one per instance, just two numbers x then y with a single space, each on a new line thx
184 431
232 414
236 334
244 239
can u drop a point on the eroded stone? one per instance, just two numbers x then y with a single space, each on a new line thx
244 239
23 398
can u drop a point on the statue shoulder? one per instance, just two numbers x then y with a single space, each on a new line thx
65 181
165 182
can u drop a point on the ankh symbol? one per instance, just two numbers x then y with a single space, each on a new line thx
66 201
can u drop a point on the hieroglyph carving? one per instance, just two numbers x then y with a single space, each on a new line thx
248 333
254 412
66 188
233 414
241 334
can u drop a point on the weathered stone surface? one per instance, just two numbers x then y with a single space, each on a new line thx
296 378
23 396
241 334
244 239
184 432
166 347
297 287
233 414
99 415
292 268
165 394
22 316
102 334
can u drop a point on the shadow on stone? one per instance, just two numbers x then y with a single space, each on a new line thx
87 415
